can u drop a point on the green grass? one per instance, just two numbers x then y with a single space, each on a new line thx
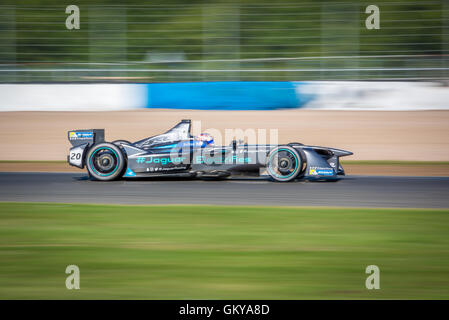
218 252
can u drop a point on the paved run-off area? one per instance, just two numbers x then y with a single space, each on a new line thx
371 135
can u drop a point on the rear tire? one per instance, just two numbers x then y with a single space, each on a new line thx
284 163
105 162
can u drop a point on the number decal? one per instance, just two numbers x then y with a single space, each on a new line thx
75 155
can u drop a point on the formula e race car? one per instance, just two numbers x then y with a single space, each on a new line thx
177 153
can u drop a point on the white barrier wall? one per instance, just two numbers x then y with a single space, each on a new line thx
376 95
331 95
71 97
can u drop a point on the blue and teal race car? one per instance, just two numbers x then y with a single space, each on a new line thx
177 153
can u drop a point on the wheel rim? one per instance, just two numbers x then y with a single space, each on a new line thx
104 161
283 163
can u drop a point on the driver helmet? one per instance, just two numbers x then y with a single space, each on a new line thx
206 138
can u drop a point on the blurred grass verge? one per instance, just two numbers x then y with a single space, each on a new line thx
219 252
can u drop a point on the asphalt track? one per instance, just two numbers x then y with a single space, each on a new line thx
350 191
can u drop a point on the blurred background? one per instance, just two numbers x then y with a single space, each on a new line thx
162 41
294 57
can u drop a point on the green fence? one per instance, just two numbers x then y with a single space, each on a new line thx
213 40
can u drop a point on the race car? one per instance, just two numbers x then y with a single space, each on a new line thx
176 153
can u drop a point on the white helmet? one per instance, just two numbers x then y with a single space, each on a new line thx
206 138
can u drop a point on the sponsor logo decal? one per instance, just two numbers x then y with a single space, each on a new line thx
160 160
317 171
163 161
227 160
81 135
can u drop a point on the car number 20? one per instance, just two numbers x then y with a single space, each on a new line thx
75 156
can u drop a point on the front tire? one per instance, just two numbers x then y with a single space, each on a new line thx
284 163
105 162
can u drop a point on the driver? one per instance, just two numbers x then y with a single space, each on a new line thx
206 139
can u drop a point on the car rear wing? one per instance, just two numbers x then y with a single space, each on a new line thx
83 136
